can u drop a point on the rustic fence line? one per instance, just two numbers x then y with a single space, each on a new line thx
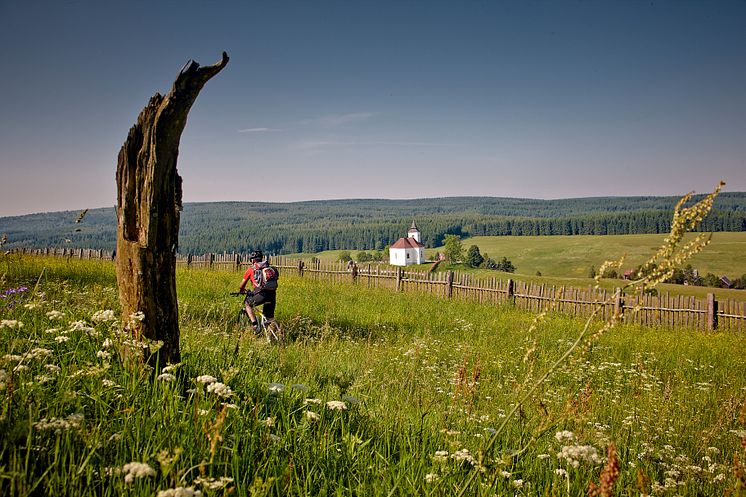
675 311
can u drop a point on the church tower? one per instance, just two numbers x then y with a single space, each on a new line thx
414 232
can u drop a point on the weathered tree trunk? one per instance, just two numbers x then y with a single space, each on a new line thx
148 208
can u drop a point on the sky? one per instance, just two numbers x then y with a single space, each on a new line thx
378 99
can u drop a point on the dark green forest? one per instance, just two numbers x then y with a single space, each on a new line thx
366 224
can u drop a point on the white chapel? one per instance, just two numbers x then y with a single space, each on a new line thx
409 250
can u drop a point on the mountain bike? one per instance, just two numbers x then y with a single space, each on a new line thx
266 328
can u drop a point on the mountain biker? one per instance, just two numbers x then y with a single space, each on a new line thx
260 294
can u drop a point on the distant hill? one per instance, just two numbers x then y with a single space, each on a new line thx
360 224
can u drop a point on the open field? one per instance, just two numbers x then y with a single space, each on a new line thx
425 383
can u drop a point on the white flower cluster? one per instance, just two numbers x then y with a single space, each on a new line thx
564 436
11 323
3 379
55 315
311 416
136 470
220 389
179 492
575 454
58 425
102 354
206 379
213 483
166 377
440 456
276 387
464 455
105 315
336 405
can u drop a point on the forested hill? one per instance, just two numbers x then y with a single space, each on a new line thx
373 224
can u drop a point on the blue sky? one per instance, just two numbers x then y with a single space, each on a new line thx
378 99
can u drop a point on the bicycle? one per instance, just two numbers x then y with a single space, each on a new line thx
265 327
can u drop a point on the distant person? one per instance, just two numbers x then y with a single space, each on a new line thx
263 278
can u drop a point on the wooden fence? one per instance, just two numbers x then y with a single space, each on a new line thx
674 311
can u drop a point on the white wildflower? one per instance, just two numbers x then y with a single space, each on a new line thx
137 316
719 478
170 368
61 338
31 305
166 377
560 472
102 354
564 436
219 389
11 323
106 315
58 425
464 455
336 405
213 483
179 492
431 477
575 454
206 379
55 315
440 456
136 470
53 368
312 401
107 343
276 387
109 383
311 416
269 422
518 483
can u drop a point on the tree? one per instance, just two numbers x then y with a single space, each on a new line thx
345 256
505 265
452 248
473 257
364 256
148 212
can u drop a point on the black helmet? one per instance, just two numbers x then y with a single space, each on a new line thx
256 256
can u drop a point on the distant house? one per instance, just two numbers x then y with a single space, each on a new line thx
407 250
726 282
628 274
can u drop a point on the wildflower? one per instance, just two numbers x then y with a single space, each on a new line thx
312 401
269 422
431 477
336 405
106 315
440 456
719 478
108 383
58 425
81 326
136 470
179 492
575 454
55 315
564 436
311 416
137 316
541 457
213 483
170 368
276 387
61 338
11 323
206 379
3 379
560 472
219 389
506 474
166 377
102 354
464 455
518 483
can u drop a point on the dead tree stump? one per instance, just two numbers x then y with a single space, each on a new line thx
148 210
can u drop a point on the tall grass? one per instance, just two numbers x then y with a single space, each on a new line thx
425 382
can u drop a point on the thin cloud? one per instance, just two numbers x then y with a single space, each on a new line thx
334 120
322 144
258 130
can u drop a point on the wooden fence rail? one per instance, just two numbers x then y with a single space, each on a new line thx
674 311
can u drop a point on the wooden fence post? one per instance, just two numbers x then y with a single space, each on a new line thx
449 284
712 312
398 278
300 268
511 291
618 304
354 273
238 262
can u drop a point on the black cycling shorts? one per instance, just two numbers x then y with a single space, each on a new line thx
265 298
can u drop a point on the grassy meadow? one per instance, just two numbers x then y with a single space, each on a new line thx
375 393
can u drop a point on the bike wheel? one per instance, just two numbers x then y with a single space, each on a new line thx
243 322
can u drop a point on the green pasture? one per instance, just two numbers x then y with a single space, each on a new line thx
375 393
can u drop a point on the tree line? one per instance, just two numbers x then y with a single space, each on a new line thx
373 225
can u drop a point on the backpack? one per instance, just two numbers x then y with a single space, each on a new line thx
266 277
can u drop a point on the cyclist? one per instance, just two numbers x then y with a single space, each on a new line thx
261 293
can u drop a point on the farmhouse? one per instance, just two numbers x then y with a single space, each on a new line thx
409 250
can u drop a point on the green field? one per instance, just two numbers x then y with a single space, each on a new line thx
436 394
